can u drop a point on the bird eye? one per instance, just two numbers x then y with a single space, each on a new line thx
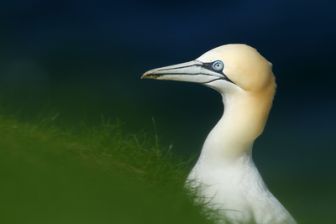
218 66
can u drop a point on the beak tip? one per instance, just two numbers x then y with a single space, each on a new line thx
149 75
144 75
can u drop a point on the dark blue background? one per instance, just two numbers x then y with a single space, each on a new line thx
86 57
102 47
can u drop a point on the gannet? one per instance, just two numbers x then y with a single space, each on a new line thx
225 176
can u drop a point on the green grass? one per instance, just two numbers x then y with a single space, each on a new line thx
88 175
56 170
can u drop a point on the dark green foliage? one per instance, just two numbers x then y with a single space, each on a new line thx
88 175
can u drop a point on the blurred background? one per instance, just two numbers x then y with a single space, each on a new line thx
83 60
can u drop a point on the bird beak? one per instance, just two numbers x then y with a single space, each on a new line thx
193 71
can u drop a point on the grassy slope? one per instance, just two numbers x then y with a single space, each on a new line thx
88 175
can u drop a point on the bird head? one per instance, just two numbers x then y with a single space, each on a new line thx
227 69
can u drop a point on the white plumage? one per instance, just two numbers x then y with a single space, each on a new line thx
225 175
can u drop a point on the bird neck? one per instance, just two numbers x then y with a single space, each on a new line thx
243 120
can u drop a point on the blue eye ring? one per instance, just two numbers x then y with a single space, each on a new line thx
218 66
